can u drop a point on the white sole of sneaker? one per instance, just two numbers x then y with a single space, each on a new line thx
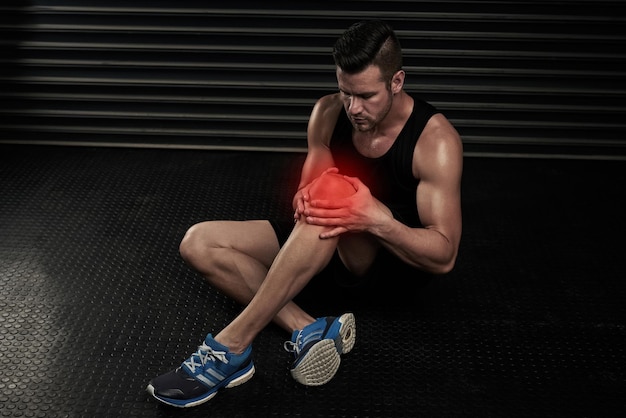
322 361
319 365
241 379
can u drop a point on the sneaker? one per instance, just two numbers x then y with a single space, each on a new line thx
318 347
198 379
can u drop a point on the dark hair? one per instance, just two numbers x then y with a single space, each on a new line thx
369 42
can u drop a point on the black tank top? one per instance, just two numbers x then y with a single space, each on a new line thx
389 177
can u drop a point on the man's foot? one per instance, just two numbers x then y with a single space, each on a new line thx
198 379
318 347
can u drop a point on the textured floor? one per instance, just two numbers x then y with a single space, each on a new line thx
95 301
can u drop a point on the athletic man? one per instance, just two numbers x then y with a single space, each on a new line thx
381 183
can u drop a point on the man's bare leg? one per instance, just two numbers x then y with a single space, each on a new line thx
250 270
244 261
303 255
234 257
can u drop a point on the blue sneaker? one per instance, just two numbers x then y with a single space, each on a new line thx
198 379
318 347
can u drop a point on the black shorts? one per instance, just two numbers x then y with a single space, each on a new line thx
384 264
282 229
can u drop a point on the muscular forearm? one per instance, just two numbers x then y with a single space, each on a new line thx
312 170
426 249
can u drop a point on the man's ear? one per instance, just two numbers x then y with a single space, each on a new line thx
397 81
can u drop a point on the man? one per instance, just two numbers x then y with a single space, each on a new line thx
380 183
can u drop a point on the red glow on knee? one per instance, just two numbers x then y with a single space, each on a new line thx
331 186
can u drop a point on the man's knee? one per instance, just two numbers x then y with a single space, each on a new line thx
331 186
188 247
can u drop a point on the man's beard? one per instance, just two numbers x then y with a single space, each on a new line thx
371 123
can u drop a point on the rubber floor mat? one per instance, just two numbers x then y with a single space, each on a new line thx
95 299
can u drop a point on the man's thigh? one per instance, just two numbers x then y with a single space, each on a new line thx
255 238
358 252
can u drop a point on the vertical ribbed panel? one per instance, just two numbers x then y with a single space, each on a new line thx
538 77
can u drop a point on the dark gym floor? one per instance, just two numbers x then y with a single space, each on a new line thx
95 300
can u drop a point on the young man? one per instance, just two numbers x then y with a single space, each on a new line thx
381 181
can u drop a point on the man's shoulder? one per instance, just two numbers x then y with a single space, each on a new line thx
327 109
439 141
330 102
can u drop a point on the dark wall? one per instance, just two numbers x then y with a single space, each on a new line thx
524 77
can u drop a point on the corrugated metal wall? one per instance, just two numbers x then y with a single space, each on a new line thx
518 77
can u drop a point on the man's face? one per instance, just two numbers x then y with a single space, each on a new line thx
366 97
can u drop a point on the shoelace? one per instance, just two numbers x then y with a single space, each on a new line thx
294 346
302 340
204 355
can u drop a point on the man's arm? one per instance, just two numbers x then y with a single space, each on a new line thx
319 158
438 164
